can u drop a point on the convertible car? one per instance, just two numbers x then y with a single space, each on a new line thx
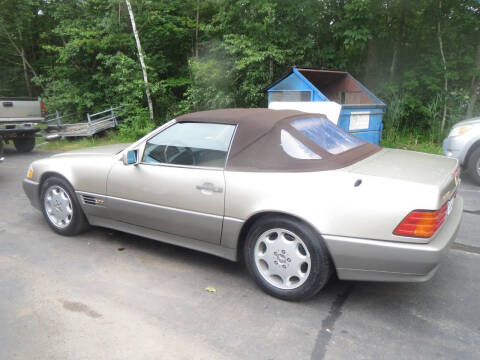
291 194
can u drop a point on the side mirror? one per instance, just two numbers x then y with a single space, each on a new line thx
130 157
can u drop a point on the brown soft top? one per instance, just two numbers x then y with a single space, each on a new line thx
256 144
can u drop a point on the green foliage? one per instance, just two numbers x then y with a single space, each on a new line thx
211 86
412 142
81 55
355 26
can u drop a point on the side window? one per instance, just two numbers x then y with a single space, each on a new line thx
193 144
296 149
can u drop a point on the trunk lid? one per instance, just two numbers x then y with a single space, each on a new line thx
414 167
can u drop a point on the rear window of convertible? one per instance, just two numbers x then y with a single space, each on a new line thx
323 133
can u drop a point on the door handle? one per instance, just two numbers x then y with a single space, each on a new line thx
209 187
7 104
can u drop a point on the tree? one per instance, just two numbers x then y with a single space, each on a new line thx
475 87
142 62
80 55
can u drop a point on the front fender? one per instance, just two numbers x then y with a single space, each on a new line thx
84 173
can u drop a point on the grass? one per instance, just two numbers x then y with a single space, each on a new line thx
413 143
81 143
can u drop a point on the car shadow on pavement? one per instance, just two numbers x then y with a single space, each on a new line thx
162 252
158 253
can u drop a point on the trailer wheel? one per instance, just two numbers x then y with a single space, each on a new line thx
24 144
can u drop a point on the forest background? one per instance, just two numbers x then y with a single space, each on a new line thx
421 57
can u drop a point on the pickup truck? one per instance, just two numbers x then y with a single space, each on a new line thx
463 143
18 117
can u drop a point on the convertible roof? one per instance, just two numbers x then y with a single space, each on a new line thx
256 145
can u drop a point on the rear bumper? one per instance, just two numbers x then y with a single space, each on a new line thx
32 190
25 120
23 131
373 260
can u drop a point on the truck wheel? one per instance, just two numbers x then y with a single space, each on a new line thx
473 167
24 144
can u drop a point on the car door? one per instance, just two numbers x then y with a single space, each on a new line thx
178 187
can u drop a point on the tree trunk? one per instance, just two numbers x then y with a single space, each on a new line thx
20 52
475 87
371 68
196 29
398 43
25 73
142 62
271 70
445 78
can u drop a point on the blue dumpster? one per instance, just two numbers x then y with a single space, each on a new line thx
361 111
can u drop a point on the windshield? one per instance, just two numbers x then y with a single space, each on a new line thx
326 135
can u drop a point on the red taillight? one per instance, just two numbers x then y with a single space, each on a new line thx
43 109
422 223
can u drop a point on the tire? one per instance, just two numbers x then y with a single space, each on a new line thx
24 144
290 248
473 166
61 208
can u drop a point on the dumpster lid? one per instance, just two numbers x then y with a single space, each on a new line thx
336 85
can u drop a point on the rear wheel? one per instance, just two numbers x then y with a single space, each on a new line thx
473 166
286 258
24 144
61 208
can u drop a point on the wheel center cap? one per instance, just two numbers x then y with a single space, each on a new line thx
281 258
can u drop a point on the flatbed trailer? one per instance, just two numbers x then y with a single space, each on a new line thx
95 124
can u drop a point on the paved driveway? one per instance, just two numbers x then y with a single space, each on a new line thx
108 295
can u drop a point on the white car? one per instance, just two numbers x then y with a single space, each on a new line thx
463 144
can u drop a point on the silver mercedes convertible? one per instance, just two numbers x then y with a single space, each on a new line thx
291 194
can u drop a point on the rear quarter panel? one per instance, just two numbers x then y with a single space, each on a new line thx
329 201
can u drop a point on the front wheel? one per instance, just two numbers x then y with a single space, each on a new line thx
24 144
61 208
286 258
473 166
